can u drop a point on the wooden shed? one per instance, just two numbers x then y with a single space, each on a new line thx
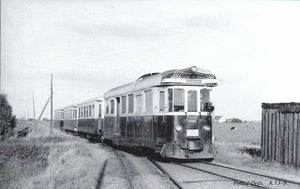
280 136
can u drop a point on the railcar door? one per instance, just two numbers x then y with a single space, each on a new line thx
159 120
117 118
100 120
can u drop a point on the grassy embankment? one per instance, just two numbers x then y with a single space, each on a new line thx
241 147
41 160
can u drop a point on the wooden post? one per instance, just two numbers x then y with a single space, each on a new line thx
298 144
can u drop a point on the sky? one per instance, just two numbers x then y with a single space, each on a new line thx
91 46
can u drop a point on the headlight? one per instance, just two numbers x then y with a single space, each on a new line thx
75 129
206 128
194 69
178 128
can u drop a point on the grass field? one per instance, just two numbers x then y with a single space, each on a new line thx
59 160
244 132
41 160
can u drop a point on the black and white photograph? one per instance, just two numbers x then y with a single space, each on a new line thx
150 94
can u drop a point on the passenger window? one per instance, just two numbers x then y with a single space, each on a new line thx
123 104
148 103
192 101
139 103
90 111
112 106
107 107
130 103
162 101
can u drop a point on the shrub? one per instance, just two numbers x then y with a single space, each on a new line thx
7 120
235 120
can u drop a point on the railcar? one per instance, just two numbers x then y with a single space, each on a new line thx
168 113
59 118
90 117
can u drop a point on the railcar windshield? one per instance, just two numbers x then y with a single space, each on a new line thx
192 101
176 100
204 97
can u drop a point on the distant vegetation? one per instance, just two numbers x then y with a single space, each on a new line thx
236 120
7 119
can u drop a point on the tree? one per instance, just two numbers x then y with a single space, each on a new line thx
236 120
7 120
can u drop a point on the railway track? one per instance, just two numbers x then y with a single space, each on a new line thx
223 176
128 176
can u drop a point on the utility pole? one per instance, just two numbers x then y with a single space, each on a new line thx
51 122
33 108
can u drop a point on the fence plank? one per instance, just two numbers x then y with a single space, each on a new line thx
291 137
295 149
269 137
262 134
281 138
273 137
285 140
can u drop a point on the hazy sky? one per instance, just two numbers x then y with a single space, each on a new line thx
90 46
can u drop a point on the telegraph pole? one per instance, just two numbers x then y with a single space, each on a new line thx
51 122
33 108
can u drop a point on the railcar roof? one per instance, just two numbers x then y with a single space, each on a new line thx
165 79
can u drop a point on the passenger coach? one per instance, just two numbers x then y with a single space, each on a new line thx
167 112
90 117
59 118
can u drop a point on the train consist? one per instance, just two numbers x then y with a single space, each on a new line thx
167 113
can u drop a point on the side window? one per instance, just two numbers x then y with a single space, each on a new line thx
148 103
130 103
161 101
90 111
170 100
139 103
107 106
112 106
124 104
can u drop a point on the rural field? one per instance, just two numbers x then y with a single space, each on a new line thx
59 160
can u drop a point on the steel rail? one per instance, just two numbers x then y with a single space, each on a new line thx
166 173
128 177
258 174
216 174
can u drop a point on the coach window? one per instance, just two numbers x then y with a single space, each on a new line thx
107 106
161 101
130 103
170 99
139 103
112 106
148 104
90 111
192 101
123 104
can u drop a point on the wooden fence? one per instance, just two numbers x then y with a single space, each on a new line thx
280 135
